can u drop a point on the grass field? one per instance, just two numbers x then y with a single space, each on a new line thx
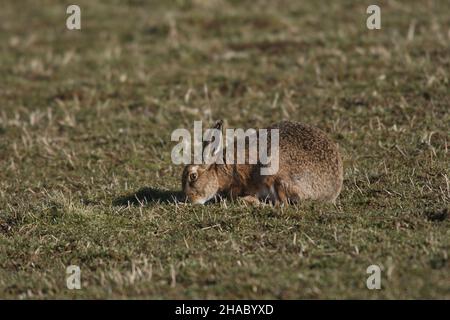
85 124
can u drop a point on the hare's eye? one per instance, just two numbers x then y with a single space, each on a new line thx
193 176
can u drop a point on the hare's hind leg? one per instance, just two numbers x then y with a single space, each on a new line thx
282 192
289 192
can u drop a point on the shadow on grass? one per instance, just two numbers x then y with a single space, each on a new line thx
149 195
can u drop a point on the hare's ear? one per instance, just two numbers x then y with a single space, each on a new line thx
212 143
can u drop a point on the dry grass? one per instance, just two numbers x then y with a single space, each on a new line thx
86 117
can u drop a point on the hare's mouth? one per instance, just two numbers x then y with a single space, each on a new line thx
203 200
199 201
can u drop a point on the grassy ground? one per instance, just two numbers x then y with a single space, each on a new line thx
86 118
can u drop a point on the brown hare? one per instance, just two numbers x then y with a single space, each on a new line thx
310 167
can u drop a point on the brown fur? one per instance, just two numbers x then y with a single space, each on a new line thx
310 167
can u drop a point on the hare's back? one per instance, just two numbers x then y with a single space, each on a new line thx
304 146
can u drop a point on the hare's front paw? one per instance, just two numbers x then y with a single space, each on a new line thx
252 200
